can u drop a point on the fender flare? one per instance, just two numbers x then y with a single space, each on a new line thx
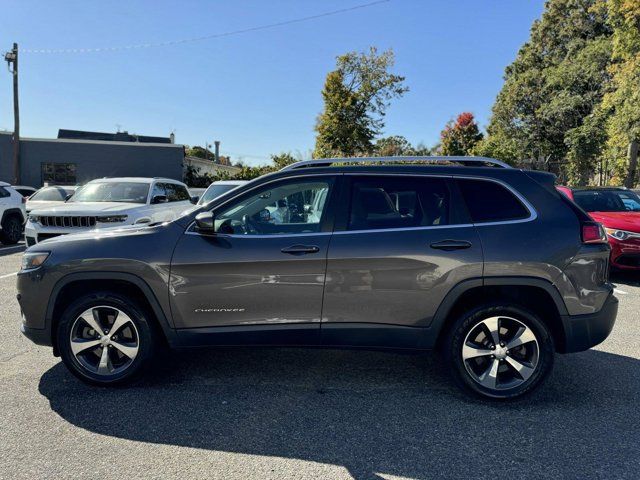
163 321
442 314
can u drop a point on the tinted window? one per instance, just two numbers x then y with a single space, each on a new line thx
4 192
606 200
176 193
398 202
158 189
490 202
25 192
286 208
214 191
50 194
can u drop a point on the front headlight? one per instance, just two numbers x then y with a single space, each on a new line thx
112 219
620 234
33 260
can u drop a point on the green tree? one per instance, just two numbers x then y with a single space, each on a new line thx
356 96
460 137
622 101
397 145
548 110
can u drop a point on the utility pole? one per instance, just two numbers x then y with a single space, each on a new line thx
12 58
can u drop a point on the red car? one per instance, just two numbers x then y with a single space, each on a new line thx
618 210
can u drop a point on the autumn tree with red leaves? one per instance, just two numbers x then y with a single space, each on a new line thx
459 137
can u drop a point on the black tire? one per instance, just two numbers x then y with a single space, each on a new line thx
467 374
144 332
11 230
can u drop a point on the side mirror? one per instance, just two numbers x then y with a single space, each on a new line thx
159 199
68 196
195 199
205 222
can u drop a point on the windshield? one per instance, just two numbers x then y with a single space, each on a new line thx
607 200
50 194
130 192
214 191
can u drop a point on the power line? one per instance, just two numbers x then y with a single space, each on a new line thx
205 37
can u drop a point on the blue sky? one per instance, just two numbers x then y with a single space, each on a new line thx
257 92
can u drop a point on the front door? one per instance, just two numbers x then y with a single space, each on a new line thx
401 246
263 271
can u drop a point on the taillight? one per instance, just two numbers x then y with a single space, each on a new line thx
24 199
593 232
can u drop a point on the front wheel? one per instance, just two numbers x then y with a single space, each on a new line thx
499 352
105 339
11 230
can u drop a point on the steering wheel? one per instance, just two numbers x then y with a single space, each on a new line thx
248 226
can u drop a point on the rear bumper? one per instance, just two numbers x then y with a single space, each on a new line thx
585 331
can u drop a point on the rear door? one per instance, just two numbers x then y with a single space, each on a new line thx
401 245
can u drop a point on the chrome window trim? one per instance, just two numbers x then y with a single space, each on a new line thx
533 214
276 235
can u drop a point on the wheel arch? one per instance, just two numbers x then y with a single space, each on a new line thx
535 294
73 285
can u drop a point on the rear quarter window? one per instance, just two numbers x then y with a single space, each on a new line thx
489 201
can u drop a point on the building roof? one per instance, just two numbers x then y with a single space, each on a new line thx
114 137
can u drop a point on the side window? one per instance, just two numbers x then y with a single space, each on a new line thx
398 202
4 192
285 208
490 202
176 193
158 189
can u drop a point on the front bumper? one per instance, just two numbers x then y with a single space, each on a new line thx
625 254
585 331
39 336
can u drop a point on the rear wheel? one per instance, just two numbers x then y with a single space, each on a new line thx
11 230
106 339
500 351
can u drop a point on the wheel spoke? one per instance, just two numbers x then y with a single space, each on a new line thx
93 321
79 345
523 370
120 321
493 325
524 335
104 367
469 352
127 350
489 378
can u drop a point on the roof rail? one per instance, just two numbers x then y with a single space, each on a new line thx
468 161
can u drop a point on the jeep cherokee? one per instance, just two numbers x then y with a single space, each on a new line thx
487 263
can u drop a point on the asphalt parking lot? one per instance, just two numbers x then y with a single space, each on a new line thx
316 414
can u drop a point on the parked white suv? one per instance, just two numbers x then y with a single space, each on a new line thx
109 203
12 214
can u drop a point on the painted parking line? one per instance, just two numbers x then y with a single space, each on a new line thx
8 275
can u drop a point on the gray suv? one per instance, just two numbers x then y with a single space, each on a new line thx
486 263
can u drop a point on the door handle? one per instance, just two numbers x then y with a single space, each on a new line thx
449 245
300 249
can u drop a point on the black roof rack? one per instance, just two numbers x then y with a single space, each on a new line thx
467 161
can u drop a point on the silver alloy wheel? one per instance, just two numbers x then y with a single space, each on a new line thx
500 353
104 340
